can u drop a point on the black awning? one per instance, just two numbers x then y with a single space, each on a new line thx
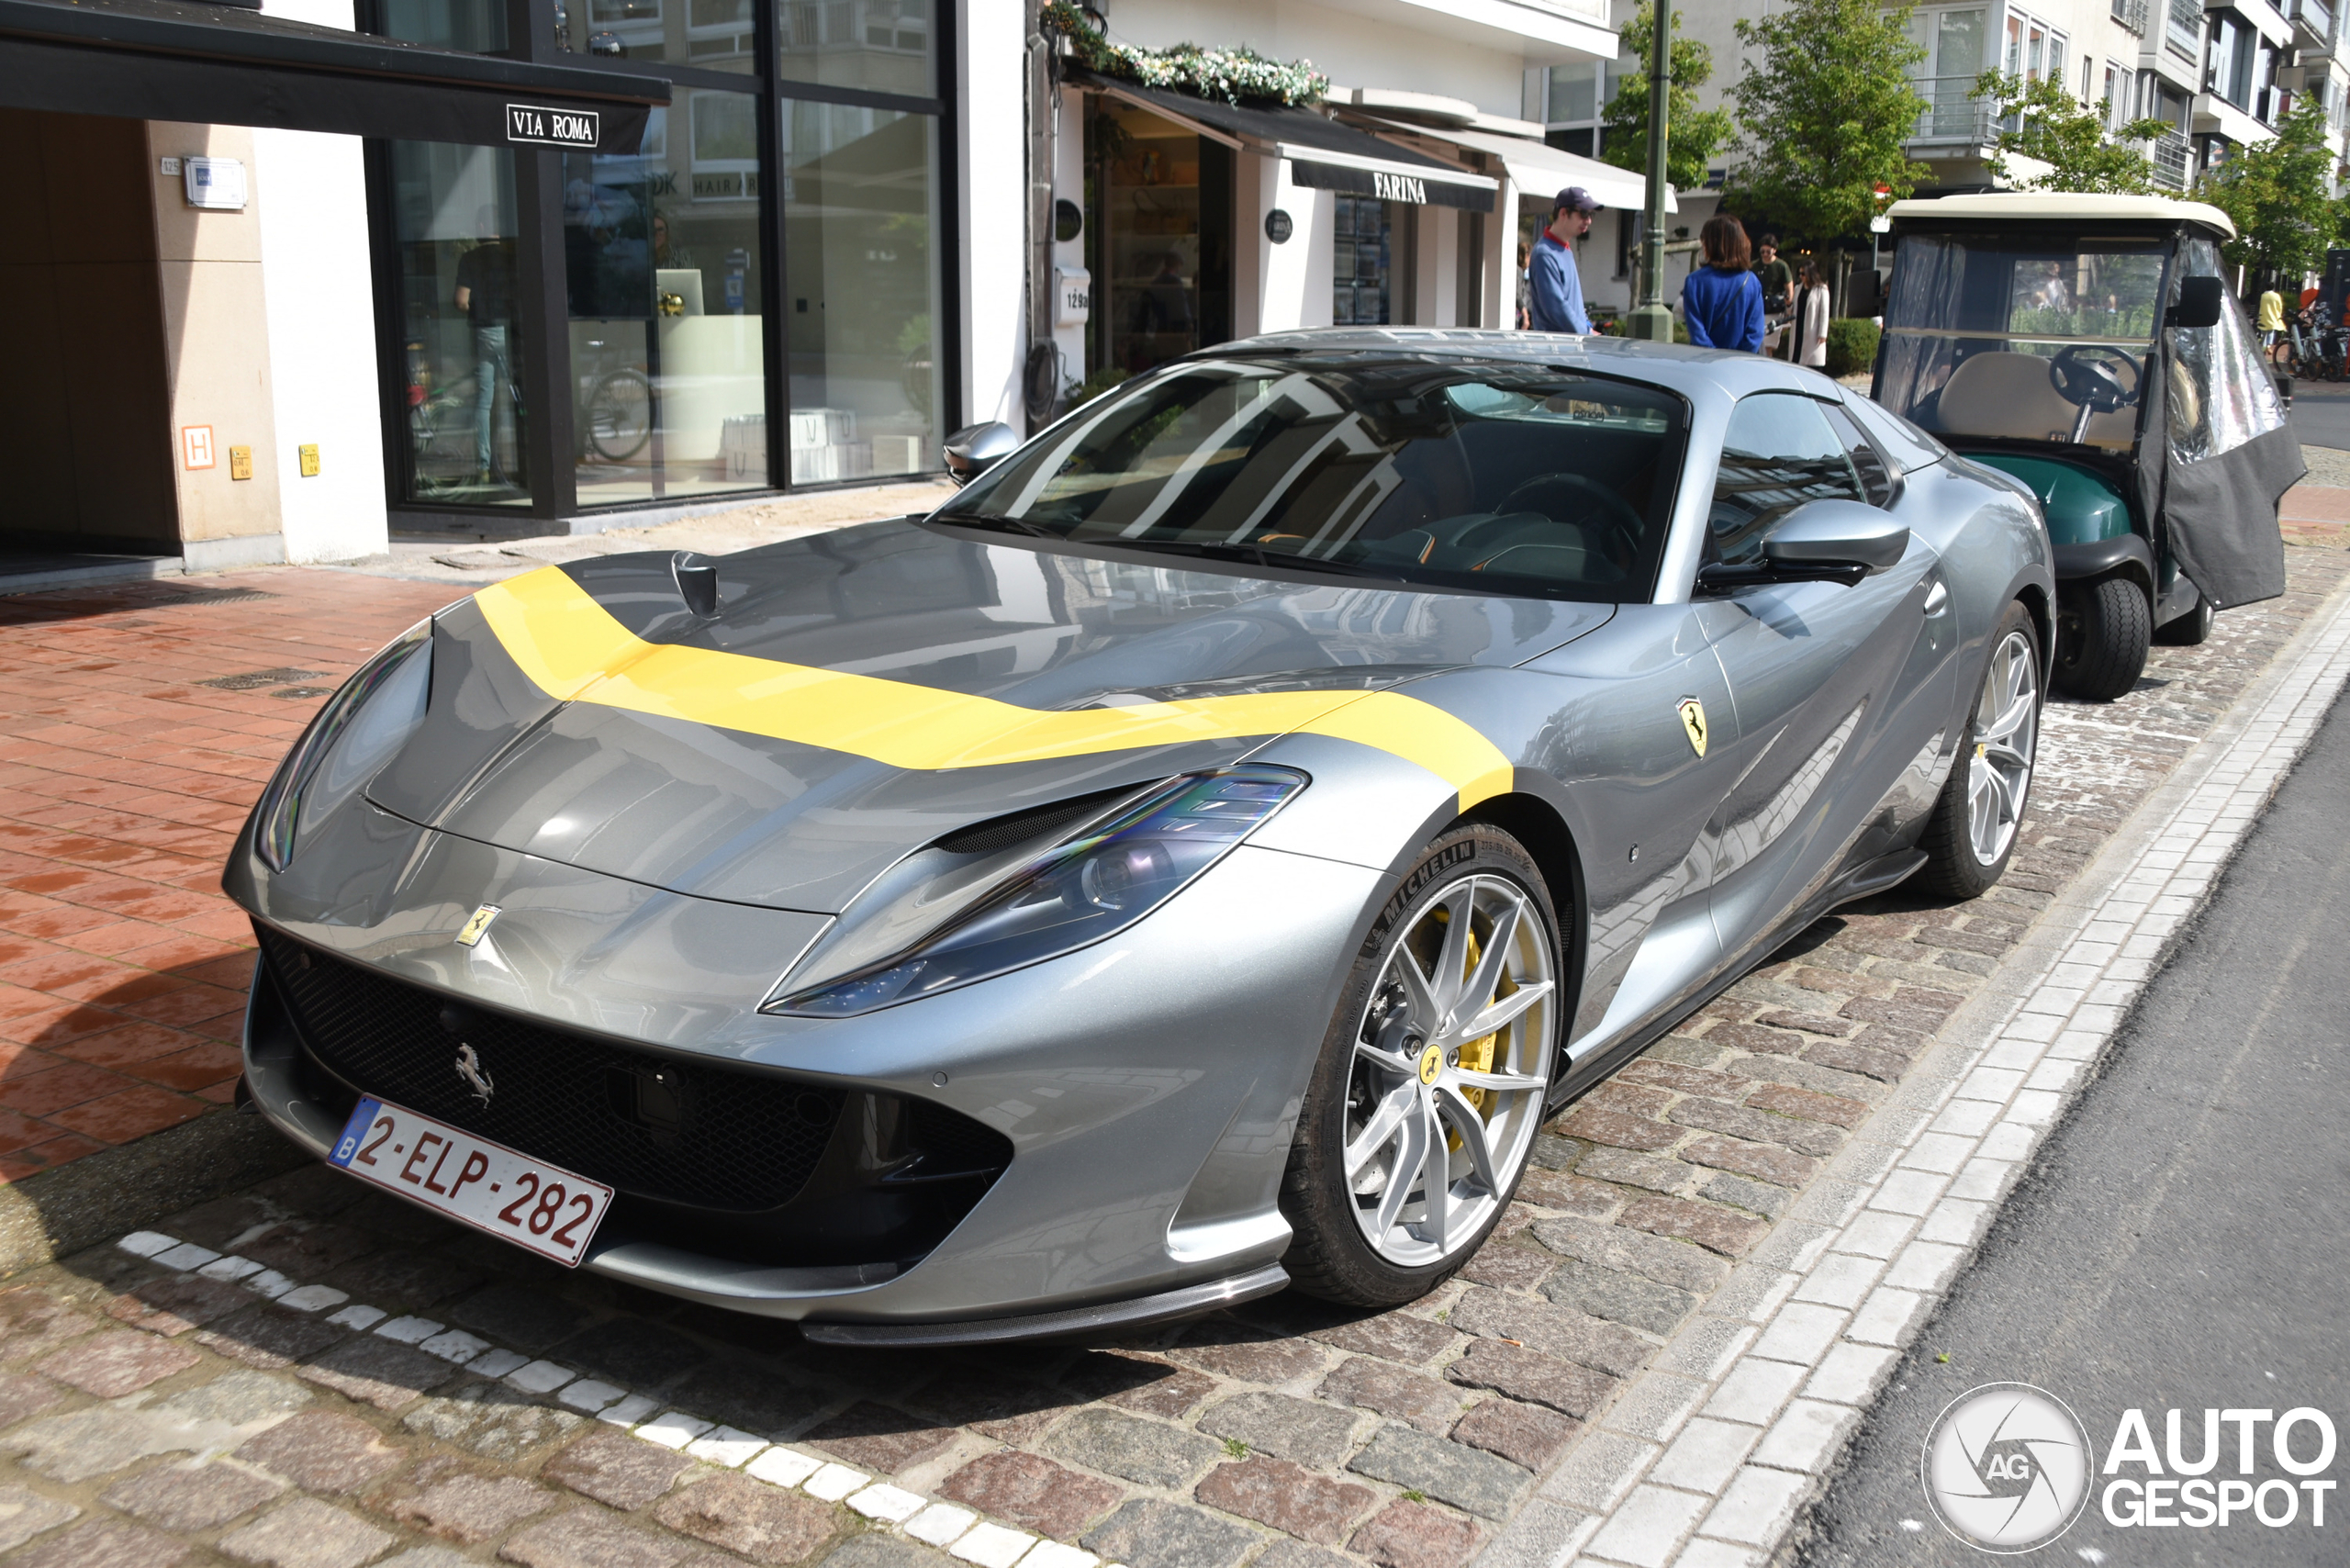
213 64
1322 154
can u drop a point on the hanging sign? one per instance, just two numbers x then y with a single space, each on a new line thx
533 125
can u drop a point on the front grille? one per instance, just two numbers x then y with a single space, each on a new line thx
657 1127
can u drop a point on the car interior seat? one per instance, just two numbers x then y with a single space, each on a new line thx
2013 395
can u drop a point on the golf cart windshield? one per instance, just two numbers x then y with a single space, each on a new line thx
2030 337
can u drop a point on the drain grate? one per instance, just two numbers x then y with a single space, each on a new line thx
284 675
172 595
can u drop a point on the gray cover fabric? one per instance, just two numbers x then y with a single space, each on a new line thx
2223 517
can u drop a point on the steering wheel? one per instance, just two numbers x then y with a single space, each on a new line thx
2090 383
1559 497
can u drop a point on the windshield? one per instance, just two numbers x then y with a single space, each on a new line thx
1508 478
2006 336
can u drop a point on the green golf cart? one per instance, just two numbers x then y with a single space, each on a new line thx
2088 347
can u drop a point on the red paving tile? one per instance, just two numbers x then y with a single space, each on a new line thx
123 784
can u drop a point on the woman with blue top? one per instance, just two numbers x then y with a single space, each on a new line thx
1722 301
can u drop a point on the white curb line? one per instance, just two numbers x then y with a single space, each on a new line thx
1705 1460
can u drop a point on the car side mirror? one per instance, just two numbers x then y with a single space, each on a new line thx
2199 303
975 449
1820 542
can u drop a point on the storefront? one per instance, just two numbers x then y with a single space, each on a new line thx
745 298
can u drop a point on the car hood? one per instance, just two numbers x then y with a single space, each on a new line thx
856 695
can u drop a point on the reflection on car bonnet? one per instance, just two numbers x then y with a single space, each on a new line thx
573 649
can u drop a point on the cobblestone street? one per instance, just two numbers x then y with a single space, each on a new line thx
306 1374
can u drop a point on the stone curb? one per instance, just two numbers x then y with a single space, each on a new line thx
1708 1458
959 1532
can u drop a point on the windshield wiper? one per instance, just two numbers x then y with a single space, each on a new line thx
1254 556
1000 524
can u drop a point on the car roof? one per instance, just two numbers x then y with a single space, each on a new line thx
1675 366
2059 206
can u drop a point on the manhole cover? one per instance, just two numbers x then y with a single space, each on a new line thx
304 691
259 677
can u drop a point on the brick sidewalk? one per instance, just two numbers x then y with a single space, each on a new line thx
137 724
1281 1435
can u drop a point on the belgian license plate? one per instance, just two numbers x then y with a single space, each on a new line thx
487 1185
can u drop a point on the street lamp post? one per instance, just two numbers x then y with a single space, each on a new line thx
1649 317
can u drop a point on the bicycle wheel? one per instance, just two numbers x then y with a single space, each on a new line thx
620 415
440 436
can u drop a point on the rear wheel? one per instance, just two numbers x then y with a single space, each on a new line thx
2187 631
2103 629
1421 1112
1972 834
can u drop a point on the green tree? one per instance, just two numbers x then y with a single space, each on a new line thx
1692 135
2069 136
2275 193
1824 109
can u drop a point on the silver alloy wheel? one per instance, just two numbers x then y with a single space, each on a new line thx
1432 1142
2007 734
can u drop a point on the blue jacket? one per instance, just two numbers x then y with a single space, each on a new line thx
1554 292
1724 310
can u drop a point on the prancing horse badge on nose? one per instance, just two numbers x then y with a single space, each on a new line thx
478 926
1692 721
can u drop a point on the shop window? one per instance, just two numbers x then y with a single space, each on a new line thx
1360 262
717 35
474 27
1160 241
860 211
463 425
879 45
662 268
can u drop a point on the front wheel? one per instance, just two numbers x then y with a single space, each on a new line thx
1421 1111
2103 630
1972 834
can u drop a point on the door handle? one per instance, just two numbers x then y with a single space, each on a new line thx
1937 599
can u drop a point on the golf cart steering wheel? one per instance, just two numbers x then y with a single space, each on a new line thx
2090 384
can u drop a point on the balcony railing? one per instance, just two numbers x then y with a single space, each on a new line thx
2132 14
2315 16
2170 153
1952 113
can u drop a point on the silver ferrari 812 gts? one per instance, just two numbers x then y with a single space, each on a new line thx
1191 861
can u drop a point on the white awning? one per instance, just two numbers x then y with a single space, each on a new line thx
1540 169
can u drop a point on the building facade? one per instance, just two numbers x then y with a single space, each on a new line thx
806 239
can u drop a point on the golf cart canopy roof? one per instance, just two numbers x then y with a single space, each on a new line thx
2051 206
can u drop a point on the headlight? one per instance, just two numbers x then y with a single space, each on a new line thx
355 734
1110 874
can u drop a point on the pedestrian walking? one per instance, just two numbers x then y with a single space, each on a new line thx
2272 317
1722 301
1524 319
1554 287
1778 280
1811 319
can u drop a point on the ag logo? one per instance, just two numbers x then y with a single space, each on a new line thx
1692 721
477 925
2007 1468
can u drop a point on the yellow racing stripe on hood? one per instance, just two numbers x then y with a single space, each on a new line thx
570 648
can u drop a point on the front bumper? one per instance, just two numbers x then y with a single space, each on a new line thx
1148 1115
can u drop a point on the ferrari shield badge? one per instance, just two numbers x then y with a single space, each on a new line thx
477 925
1693 721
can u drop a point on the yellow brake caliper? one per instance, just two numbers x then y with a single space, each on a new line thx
1478 1055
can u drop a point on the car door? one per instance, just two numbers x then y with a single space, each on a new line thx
1825 680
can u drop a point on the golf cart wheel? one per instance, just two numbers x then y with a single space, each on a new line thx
2102 632
1420 1114
2188 630
1972 834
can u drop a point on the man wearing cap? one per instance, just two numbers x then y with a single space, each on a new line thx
1554 300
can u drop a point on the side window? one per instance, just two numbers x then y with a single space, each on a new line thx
1877 482
1778 453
